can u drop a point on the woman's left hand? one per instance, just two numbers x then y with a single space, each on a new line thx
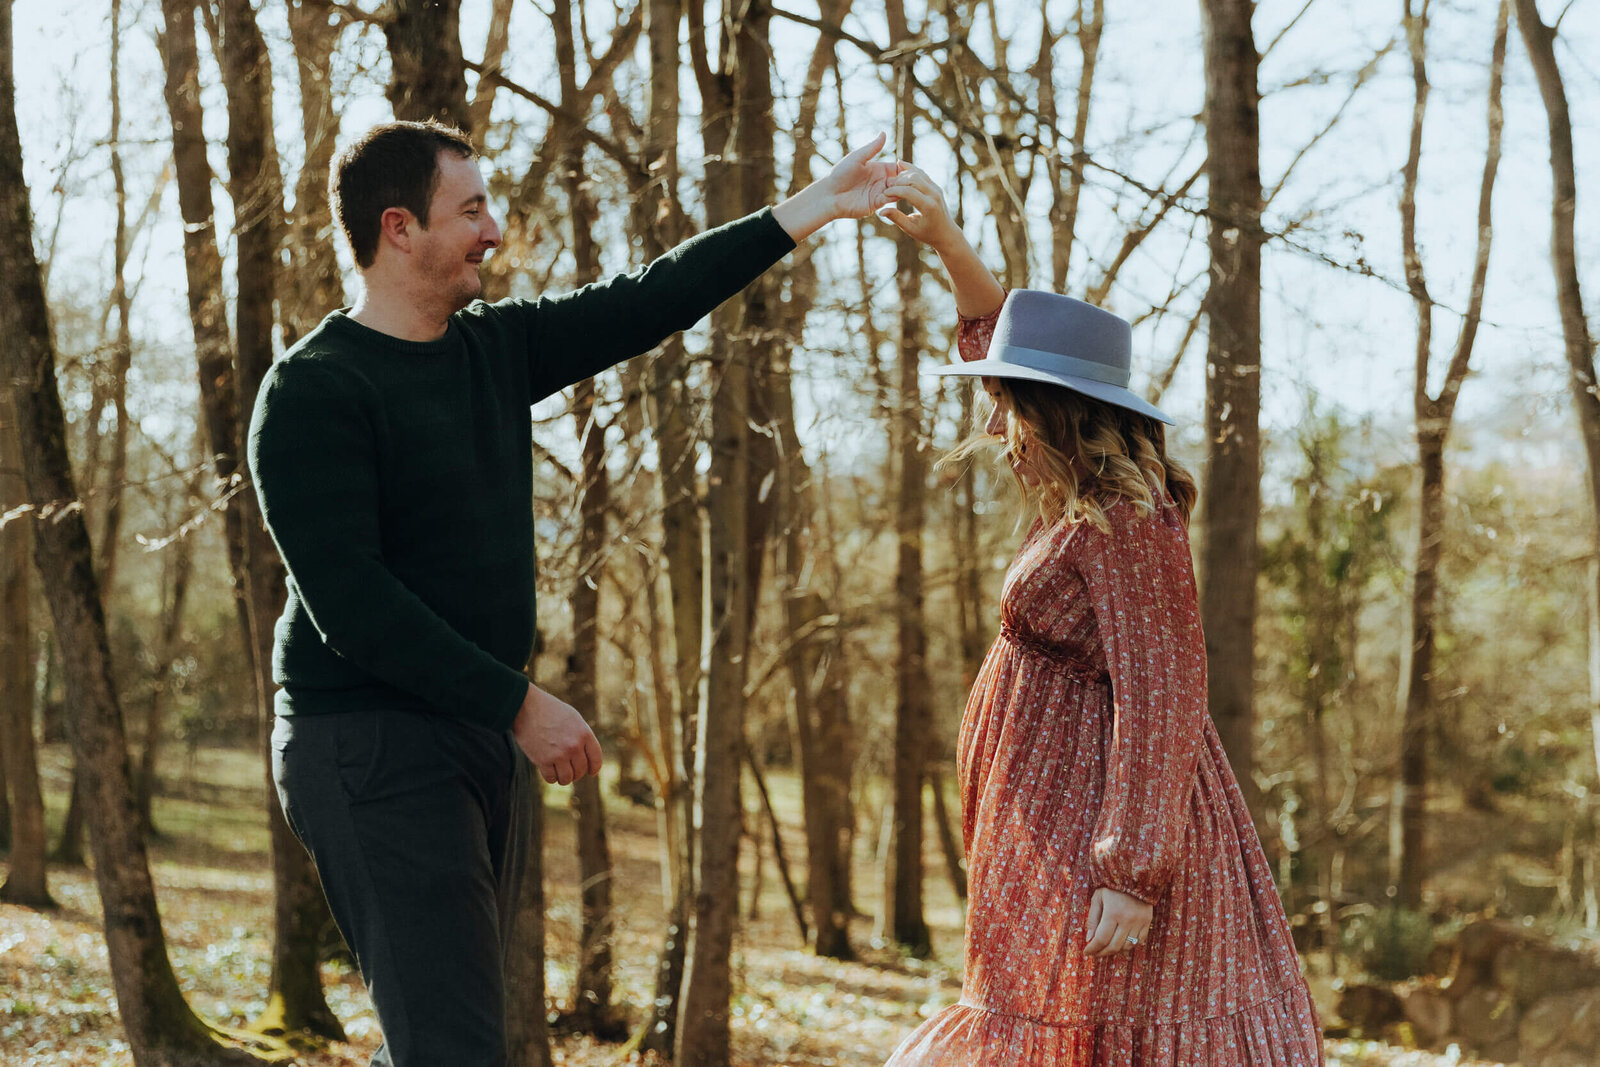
1117 923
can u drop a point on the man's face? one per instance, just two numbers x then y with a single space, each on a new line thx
460 231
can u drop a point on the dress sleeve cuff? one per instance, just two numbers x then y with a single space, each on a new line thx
973 334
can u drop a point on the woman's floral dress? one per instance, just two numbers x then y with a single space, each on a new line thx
1088 758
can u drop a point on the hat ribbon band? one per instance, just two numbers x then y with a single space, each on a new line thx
1056 363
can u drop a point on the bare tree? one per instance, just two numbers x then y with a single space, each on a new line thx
160 1027
1539 39
1231 506
527 1030
312 286
175 595
1066 179
591 1010
27 881
429 77
658 221
737 132
295 999
902 917
122 347
1433 418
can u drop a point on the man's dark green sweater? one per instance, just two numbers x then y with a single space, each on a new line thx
396 479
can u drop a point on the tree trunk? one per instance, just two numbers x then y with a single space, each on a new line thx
69 846
295 1000
591 1011
1539 40
815 639
1068 187
1408 864
527 1031
494 53
313 286
1231 506
181 565
737 123
27 881
955 866
122 349
659 225
903 907
429 77
159 1026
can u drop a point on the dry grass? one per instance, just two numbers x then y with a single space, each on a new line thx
210 866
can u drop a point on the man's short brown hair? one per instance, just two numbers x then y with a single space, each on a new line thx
394 164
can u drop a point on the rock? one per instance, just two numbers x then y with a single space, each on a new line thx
1562 1031
1533 970
1428 1011
1485 1017
1369 1008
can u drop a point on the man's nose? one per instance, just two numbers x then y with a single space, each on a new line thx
491 238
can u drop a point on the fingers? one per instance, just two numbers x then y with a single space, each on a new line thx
1110 924
868 150
899 218
582 759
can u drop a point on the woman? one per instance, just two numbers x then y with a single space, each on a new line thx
1121 909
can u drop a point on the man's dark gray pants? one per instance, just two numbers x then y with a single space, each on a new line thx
417 824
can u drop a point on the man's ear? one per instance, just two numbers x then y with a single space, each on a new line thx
395 226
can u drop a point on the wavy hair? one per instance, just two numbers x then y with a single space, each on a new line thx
1087 454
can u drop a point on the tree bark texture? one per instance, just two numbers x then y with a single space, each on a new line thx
816 645
904 919
659 224
1539 39
27 881
527 1030
160 1027
181 566
1231 506
1433 420
122 348
295 999
312 284
591 1011
429 77
737 130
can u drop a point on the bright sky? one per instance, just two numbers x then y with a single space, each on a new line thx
1345 339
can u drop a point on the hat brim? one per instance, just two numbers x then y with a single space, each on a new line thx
1115 395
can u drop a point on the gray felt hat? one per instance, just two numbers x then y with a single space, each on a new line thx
1050 338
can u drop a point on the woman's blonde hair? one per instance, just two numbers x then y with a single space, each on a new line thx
1088 454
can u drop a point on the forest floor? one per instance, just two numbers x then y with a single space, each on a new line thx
212 876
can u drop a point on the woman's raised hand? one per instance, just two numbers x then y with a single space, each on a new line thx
977 292
929 220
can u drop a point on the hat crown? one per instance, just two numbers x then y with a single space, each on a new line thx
1051 324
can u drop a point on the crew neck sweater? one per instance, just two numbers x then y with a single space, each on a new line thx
396 478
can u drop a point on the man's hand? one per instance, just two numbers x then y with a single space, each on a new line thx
1113 918
556 738
855 188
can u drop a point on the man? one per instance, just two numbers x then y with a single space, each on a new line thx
390 449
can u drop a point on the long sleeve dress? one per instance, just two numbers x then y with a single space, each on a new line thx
1087 758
